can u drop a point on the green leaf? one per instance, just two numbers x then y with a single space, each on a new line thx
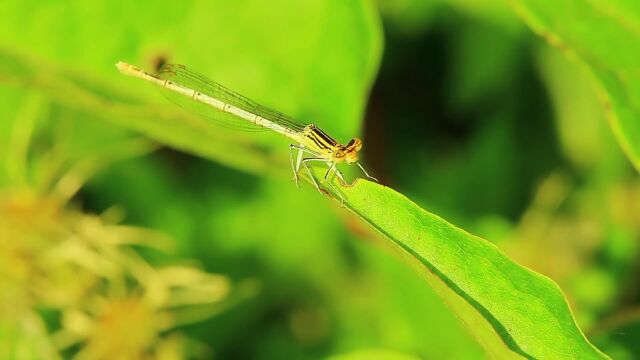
603 36
526 310
23 335
619 335
511 310
320 74
379 354
166 123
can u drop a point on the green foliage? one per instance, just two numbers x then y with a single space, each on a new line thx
471 116
271 71
604 37
525 309
373 354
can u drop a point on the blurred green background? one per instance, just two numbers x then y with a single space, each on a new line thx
131 229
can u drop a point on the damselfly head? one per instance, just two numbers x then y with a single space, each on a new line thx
351 150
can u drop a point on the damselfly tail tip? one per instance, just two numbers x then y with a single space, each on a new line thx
125 68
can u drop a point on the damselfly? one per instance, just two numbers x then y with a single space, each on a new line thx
311 145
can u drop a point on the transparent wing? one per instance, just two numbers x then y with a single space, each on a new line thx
186 77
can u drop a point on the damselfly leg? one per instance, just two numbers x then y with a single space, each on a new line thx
305 162
327 182
301 161
366 173
299 158
328 177
295 166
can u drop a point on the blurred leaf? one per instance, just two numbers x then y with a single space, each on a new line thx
23 335
373 354
525 309
319 74
166 124
581 129
409 16
619 334
477 69
604 36
414 16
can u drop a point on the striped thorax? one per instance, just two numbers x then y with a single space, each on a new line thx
324 145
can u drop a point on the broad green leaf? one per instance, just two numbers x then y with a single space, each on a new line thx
526 310
319 74
603 36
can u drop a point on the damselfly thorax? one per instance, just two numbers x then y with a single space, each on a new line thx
317 140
